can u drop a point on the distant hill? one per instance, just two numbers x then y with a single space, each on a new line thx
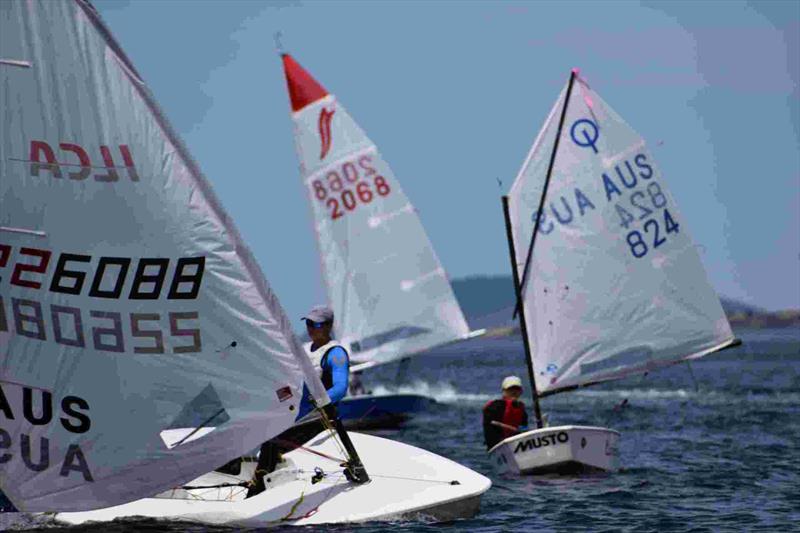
488 302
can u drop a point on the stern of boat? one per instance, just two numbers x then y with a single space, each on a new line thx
559 449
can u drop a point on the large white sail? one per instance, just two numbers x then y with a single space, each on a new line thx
388 289
614 285
140 345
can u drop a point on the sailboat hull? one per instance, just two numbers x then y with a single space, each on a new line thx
406 482
560 449
381 411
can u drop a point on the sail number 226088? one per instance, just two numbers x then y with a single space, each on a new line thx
348 185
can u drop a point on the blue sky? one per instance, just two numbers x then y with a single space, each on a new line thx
453 93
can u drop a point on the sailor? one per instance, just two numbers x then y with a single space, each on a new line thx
328 357
505 416
357 387
333 365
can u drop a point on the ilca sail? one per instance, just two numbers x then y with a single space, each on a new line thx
388 290
614 285
140 345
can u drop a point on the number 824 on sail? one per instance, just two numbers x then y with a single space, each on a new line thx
639 204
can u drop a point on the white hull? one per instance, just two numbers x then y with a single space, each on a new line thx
405 482
560 449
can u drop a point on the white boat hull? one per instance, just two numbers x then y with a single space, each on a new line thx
405 482
559 449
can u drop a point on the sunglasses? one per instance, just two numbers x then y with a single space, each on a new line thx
315 325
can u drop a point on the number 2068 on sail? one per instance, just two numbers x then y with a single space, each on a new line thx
346 186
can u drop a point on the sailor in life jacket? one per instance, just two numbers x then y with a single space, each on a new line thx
507 413
328 357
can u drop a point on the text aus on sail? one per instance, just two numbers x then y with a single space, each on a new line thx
640 208
99 325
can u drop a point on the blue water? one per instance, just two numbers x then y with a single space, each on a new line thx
720 452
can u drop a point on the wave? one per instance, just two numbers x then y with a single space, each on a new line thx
700 396
443 392
640 394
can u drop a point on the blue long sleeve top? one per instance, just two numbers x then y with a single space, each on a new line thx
338 364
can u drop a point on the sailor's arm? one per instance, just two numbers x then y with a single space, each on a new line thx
340 373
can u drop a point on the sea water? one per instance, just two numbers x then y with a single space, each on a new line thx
714 449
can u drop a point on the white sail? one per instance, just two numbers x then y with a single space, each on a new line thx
388 290
140 345
615 285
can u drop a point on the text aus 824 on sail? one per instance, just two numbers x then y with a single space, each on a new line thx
635 199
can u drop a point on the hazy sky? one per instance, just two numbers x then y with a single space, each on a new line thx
453 93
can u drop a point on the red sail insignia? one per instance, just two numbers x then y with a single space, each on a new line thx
324 125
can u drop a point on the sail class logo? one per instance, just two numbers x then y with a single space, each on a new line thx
324 126
76 163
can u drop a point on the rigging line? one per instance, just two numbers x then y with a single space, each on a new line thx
691 373
220 486
309 450
201 426
334 434
624 403
368 412
452 482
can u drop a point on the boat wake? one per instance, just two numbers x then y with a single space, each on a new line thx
442 391
446 392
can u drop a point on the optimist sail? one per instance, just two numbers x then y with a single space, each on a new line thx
388 289
614 285
140 345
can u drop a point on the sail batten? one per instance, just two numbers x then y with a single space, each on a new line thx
387 287
614 284
140 301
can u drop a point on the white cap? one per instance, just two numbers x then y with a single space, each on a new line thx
511 381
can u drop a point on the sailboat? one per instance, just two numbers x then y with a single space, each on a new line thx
141 346
608 281
390 295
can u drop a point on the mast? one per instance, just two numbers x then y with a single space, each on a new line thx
523 325
518 283
546 186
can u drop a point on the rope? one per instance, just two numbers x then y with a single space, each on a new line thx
309 450
220 486
374 406
329 426
295 506
452 482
